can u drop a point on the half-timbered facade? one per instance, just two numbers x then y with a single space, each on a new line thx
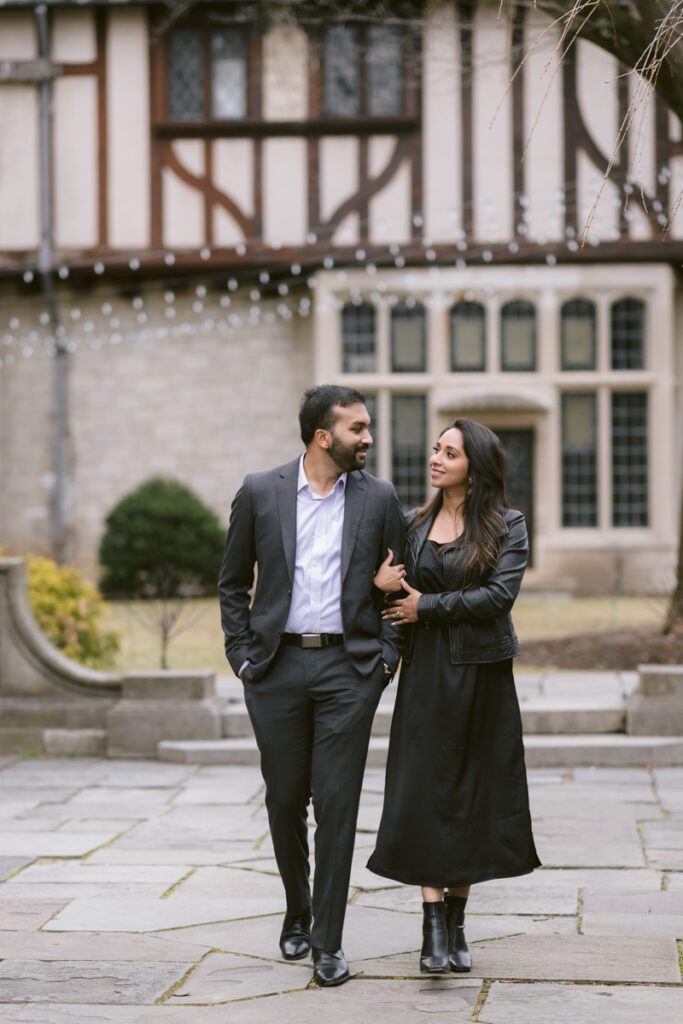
443 207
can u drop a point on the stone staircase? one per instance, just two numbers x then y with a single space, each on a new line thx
569 720
39 725
52 706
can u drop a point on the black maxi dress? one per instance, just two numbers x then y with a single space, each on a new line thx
456 803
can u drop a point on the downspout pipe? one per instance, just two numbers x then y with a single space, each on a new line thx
46 270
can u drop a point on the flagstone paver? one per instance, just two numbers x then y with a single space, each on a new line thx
581 1004
53 844
223 977
8 865
81 981
133 891
38 945
228 883
151 915
26 914
564 958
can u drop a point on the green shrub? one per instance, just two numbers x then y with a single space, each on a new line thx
162 542
69 612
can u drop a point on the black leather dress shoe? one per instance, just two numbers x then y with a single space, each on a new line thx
330 968
295 937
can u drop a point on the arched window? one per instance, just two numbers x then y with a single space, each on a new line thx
468 337
518 336
408 337
578 335
358 338
627 334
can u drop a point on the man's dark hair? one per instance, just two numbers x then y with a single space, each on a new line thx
317 407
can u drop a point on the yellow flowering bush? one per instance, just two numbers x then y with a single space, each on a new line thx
69 611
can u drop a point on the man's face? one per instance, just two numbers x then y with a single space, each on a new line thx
351 437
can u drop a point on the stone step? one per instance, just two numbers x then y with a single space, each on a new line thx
34 741
21 739
45 712
605 750
550 718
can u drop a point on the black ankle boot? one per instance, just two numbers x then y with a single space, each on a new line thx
459 957
434 955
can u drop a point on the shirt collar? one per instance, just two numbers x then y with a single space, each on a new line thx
303 484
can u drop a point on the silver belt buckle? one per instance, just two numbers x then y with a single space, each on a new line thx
311 640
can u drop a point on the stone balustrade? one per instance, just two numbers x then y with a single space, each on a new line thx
49 704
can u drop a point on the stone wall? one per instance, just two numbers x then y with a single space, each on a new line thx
204 408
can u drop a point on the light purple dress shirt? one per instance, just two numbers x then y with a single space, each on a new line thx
316 588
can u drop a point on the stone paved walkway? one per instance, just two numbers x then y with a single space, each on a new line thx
146 893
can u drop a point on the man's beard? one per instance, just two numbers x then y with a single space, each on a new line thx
346 458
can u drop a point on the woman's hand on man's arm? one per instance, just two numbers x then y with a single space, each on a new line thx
404 609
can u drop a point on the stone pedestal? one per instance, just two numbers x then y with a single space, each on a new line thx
159 706
656 708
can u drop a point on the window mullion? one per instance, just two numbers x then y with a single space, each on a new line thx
604 456
362 51
208 71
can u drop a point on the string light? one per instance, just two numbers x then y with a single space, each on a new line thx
182 318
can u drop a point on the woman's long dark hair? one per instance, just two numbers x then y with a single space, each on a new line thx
484 501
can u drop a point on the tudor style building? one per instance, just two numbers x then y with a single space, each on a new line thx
228 207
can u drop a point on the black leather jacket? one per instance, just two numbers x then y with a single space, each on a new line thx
479 622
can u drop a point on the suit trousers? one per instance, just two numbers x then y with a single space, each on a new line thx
312 713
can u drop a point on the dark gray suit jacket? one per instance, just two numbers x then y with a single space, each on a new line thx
262 532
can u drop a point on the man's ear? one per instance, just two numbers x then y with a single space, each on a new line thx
323 437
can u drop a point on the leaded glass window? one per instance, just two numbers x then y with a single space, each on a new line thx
383 61
578 335
363 71
341 71
579 460
468 337
518 336
228 74
207 74
186 75
627 323
408 338
629 459
358 338
409 448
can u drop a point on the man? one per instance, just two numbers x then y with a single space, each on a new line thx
313 652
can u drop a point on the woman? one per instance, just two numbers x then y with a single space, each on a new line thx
456 804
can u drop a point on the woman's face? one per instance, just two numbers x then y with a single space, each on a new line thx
448 464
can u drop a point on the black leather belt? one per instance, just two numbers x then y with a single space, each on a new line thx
313 639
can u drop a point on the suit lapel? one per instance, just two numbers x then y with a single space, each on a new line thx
354 503
286 500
